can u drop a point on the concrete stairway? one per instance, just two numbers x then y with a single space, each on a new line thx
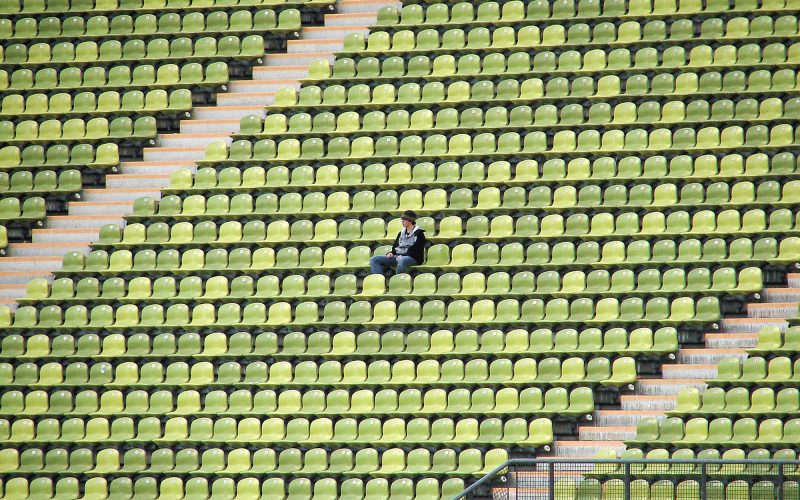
75 231
653 396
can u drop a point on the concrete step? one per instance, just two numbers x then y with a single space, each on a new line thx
22 264
793 280
21 277
665 387
12 291
533 478
193 140
224 111
584 449
685 370
357 6
727 340
750 325
155 167
781 294
297 58
289 72
332 32
261 86
779 310
606 433
254 102
132 181
357 19
616 418
117 195
173 154
209 126
11 304
109 208
80 221
639 402
314 46
65 236
46 249
708 355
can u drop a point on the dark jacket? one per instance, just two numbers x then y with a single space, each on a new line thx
417 248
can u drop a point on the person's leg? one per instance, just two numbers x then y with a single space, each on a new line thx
403 263
379 263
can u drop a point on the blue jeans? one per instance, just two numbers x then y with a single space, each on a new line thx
379 263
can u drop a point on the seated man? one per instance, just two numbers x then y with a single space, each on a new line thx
408 248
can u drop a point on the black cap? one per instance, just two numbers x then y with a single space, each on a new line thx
409 215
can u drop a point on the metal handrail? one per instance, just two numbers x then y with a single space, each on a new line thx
491 474
620 461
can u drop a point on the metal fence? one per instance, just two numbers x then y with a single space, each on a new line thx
554 479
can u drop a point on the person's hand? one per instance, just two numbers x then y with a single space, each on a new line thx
390 255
